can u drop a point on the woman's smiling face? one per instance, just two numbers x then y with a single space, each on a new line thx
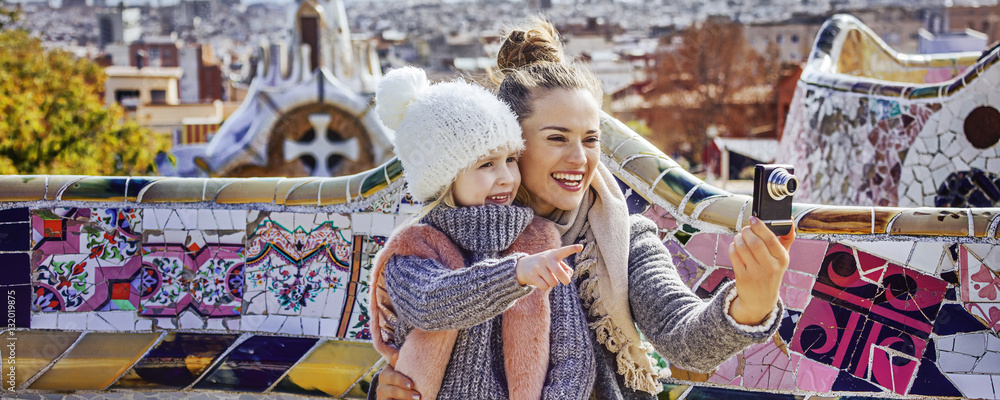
562 149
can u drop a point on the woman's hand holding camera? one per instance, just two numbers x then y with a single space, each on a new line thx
759 261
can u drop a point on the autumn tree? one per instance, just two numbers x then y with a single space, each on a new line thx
7 15
708 77
53 119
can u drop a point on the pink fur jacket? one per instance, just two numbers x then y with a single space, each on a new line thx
425 354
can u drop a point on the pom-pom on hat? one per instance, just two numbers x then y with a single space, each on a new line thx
442 129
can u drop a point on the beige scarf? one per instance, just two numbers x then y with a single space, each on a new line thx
602 222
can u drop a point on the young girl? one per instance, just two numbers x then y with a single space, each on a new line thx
471 279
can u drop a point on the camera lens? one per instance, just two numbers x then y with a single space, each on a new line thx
781 184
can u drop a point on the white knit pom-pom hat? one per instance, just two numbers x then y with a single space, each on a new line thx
442 129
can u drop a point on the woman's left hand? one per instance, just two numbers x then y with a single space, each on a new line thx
759 261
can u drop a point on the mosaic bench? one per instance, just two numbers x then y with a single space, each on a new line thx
252 288
871 126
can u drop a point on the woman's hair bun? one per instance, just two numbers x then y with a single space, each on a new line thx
534 43
396 90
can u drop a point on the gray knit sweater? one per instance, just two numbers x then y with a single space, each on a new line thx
691 333
429 296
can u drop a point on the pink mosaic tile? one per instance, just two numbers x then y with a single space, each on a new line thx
86 259
769 367
703 247
806 255
661 217
795 289
730 372
722 251
814 376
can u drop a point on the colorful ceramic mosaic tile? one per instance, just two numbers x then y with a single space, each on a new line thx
298 264
259 287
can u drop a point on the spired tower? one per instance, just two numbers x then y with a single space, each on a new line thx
309 119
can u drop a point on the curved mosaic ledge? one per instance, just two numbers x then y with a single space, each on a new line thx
871 126
648 171
846 46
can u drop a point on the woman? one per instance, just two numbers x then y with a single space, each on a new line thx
624 276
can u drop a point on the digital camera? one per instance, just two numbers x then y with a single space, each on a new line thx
773 187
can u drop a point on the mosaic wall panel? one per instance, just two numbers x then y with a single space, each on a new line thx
86 259
891 318
298 271
193 260
850 149
257 288
870 126
859 316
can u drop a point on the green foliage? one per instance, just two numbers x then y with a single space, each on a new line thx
54 120
7 16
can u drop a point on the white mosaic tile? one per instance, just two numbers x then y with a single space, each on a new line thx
251 322
291 326
926 257
328 327
993 164
310 326
206 219
156 218
940 160
973 344
44 320
272 323
946 343
992 343
981 251
974 385
286 220
190 320
988 364
956 362
969 154
361 223
217 324
383 224
144 324
165 323
96 323
72 321
119 320
188 218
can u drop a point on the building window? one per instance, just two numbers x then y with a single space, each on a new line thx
779 39
795 38
129 99
158 96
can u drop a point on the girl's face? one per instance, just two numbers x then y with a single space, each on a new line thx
562 149
492 179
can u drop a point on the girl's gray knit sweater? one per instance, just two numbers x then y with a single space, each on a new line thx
691 333
429 296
